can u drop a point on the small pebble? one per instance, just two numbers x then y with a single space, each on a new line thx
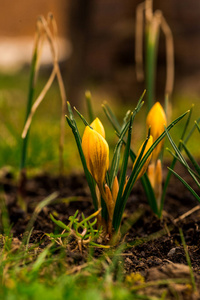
171 252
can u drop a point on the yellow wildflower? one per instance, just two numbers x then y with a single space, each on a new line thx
96 152
97 125
148 145
156 119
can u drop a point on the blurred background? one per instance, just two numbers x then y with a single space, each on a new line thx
96 52
98 43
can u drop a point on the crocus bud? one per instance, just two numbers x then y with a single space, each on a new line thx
115 189
156 119
155 177
96 152
97 125
151 174
148 145
109 200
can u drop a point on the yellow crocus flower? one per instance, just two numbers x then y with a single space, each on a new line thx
97 125
144 168
156 119
96 152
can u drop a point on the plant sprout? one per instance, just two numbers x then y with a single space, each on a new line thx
83 231
154 22
152 183
108 181
156 120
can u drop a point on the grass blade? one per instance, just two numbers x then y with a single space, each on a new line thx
117 212
191 131
187 167
36 212
173 163
186 185
188 260
183 161
31 91
197 125
82 117
88 99
191 157
147 188
149 193
121 200
72 123
115 162
111 116
59 223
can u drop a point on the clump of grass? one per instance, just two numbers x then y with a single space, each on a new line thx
43 32
154 23
84 231
46 30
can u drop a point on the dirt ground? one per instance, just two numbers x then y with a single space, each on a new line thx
152 247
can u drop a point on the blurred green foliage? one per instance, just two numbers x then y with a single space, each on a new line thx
43 145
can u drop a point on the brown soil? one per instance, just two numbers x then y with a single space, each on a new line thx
152 247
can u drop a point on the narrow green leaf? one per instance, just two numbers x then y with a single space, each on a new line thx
82 117
55 236
191 157
88 99
174 163
90 217
151 58
187 167
188 259
126 119
72 123
111 117
116 154
147 188
186 185
149 193
122 178
36 212
122 199
59 223
115 162
197 125
183 161
31 92
72 219
191 131
41 259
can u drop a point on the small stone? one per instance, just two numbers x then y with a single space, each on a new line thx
171 252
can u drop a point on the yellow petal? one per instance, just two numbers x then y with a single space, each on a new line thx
156 119
109 200
115 189
151 174
96 152
97 125
148 145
